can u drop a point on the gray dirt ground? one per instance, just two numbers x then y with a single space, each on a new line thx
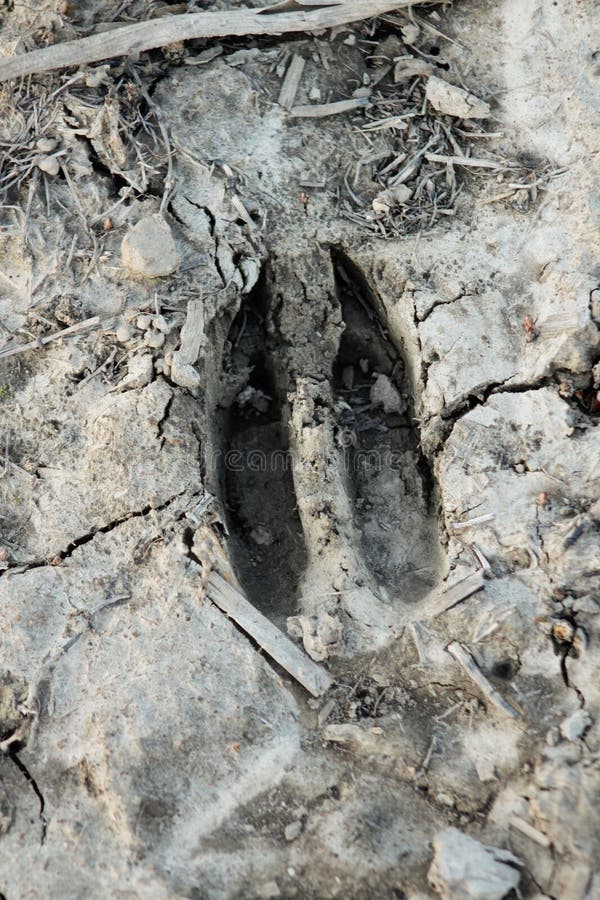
368 379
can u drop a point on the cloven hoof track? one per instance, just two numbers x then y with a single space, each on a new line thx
387 479
265 535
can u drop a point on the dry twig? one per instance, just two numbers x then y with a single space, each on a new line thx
159 32
329 109
468 664
459 591
291 81
279 647
40 342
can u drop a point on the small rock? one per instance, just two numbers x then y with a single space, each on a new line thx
123 333
45 145
139 373
154 339
384 394
464 868
454 101
149 248
485 770
185 376
160 323
573 727
49 164
401 193
261 536
143 322
293 831
314 95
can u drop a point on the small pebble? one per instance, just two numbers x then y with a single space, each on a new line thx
154 339
143 322
384 394
315 94
49 165
160 323
261 536
139 373
485 769
149 248
401 193
293 831
123 333
45 145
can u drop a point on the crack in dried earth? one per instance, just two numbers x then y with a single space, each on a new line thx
372 378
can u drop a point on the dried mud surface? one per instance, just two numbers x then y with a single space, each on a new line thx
380 406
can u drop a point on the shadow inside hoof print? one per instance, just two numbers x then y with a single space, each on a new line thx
299 399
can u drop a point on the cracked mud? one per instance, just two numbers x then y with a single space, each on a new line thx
375 401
